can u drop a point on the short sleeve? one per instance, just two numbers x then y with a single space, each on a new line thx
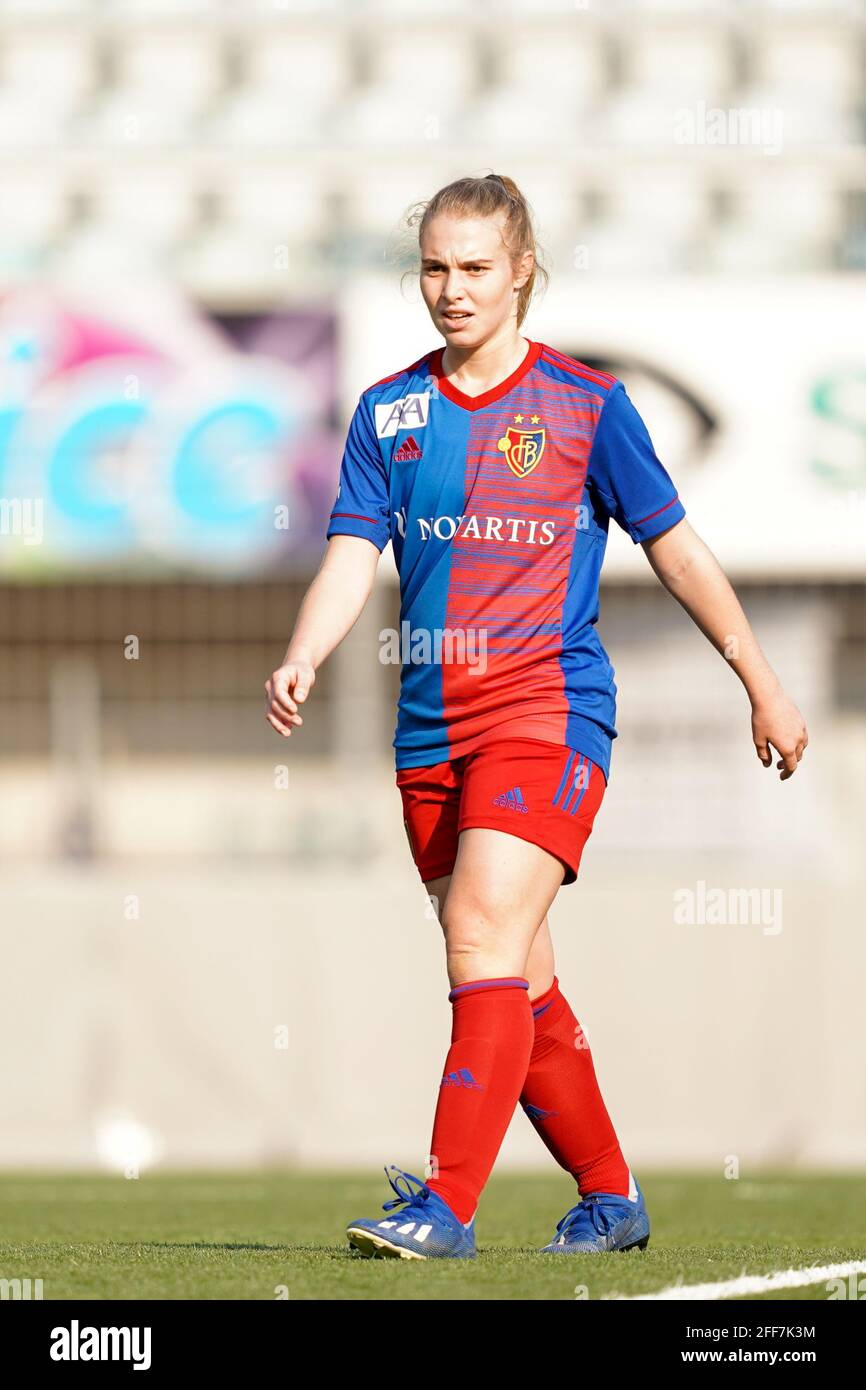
631 481
362 507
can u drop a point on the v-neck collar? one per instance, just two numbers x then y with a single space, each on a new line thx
453 393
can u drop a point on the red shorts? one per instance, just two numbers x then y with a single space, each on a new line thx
543 792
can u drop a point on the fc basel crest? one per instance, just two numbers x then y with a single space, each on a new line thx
522 448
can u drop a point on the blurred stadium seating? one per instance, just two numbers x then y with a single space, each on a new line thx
289 95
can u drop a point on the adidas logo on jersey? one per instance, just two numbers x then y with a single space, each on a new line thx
410 449
512 801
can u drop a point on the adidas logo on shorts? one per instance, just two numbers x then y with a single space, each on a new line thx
512 801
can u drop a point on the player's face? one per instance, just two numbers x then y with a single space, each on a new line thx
467 278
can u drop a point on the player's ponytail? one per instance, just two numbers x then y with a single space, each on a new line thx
486 197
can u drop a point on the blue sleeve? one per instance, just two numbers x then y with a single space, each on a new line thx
363 506
630 480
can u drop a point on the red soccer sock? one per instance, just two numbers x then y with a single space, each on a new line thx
562 1099
491 1039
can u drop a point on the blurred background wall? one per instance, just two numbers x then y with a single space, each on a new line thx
215 948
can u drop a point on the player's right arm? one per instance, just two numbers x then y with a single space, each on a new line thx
330 608
358 532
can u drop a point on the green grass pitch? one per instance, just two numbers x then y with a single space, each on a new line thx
271 1234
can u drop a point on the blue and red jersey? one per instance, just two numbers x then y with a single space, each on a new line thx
498 508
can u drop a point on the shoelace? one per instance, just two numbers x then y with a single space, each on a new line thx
411 1199
598 1217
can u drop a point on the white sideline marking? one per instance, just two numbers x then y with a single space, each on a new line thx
751 1283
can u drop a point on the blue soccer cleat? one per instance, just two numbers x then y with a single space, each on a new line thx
425 1229
602 1221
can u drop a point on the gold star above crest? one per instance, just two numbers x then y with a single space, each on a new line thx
518 419
534 420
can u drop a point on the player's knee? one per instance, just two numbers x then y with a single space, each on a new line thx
466 926
473 915
464 936
473 941
463 953
479 963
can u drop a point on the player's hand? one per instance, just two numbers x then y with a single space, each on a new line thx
287 687
777 721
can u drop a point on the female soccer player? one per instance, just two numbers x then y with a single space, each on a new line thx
494 464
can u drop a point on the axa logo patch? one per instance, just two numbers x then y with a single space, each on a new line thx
522 447
409 413
410 449
462 1077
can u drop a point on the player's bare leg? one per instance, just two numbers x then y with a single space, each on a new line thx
540 964
493 905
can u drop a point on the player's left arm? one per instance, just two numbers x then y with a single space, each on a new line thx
689 570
